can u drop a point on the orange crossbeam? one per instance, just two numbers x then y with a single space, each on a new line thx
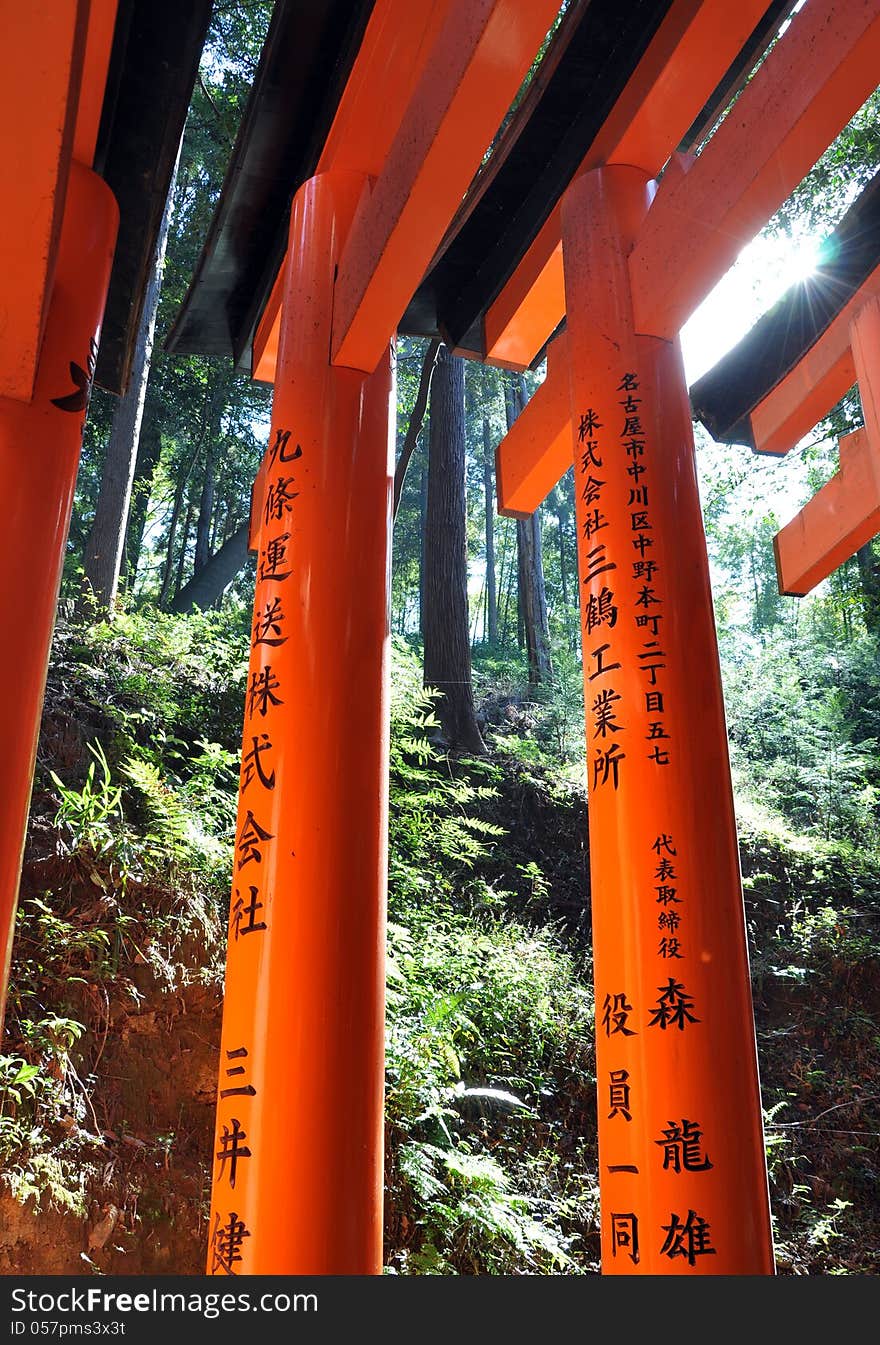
477 64
806 91
689 55
399 39
397 45
841 517
816 383
536 451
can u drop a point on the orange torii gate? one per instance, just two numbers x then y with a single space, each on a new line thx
377 115
845 513
93 97
555 227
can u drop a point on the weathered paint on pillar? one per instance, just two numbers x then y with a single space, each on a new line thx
39 455
298 1154
682 1170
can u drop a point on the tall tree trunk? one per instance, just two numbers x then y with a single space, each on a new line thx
416 420
102 561
491 590
148 454
179 493
869 581
208 585
184 543
216 529
423 513
206 504
445 615
534 600
183 476
520 589
512 408
505 584
563 567
532 605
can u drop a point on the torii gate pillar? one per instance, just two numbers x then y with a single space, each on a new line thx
682 1169
39 455
298 1157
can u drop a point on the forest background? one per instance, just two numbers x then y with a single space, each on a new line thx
109 1068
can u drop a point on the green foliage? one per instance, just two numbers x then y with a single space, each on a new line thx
802 728
488 1033
430 821
91 817
163 797
851 160
541 725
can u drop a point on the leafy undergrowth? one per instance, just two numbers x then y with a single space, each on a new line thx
108 1077
813 910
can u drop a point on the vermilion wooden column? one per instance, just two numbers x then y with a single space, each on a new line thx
682 1176
39 455
298 1155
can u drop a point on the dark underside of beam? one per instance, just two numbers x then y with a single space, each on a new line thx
591 59
156 49
724 398
305 62
308 55
594 55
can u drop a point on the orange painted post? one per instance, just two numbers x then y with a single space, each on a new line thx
39 456
682 1177
866 355
298 1153
41 66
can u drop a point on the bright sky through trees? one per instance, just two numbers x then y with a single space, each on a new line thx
764 270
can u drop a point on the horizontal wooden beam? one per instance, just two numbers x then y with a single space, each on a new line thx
810 85
477 64
537 449
688 57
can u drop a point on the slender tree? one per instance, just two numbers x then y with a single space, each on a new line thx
489 492
446 628
416 420
423 513
530 567
209 583
148 455
869 583
102 561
